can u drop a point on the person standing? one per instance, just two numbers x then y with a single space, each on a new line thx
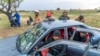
80 19
12 20
29 21
64 16
49 16
37 18
17 15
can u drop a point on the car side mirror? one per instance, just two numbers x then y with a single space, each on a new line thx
98 46
95 42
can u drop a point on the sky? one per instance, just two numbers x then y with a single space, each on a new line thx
63 4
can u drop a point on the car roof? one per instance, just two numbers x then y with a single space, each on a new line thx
60 23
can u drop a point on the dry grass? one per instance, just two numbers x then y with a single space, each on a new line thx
12 31
92 19
6 30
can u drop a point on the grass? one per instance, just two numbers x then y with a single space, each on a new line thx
92 18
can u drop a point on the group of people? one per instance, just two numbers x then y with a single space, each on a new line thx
49 16
56 33
14 20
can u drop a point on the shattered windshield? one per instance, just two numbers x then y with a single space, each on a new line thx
30 36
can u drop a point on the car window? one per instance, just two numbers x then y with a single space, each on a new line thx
98 45
71 29
49 37
29 37
73 34
81 36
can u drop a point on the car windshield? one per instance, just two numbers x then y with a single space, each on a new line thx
29 37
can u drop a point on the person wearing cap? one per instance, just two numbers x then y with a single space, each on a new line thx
49 16
64 16
80 19
37 18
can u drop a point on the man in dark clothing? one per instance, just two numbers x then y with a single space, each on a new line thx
55 50
17 19
56 36
29 21
12 21
64 16
80 36
80 19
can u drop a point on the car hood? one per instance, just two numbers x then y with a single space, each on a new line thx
8 47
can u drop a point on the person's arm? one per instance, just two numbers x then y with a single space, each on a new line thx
39 20
14 15
35 21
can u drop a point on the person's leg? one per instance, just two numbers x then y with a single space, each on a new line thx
44 52
18 23
11 23
14 23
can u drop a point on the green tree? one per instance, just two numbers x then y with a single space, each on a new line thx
58 9
7 6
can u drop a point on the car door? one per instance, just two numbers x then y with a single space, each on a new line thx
44 40
74 35
75 46
94 50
